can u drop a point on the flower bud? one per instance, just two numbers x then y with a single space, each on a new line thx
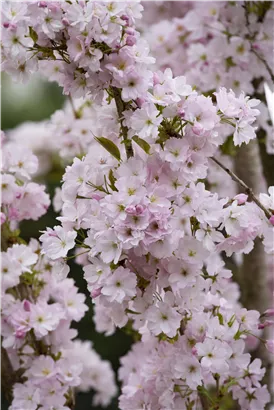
241 198
20 334
95 293
97 197
130 41
26 305
268 313
139 101
130 31
65 22
42 4
197 129
139 209
271 220
267 323
156 79
131 210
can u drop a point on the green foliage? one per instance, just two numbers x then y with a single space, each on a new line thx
109 146
142 143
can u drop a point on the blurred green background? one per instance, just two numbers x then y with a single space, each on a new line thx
37 100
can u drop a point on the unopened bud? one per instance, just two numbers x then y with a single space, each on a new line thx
156 79
26 305
130 31
95 293
268 313
139 102
241 198
267 323
65 22
271 220
130 41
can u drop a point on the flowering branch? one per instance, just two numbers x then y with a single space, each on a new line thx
120 108
251 45
75 113
246 187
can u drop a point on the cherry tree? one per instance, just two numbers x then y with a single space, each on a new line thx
138 209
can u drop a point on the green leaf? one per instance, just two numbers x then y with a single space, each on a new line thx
33 35
112 180
110 147
142 143
221 319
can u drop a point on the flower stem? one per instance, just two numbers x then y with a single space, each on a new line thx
248 190
120 105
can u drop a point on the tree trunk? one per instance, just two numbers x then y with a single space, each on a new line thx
252 274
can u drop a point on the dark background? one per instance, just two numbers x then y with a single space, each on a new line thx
36 101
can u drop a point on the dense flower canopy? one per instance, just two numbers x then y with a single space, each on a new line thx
137 206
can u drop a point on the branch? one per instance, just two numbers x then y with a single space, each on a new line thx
203 401
8 375
120 108
75 113
248 190
251 35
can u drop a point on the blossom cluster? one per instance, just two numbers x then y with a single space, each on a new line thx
151 234
215 44
21 198
72 42
39 304
135 206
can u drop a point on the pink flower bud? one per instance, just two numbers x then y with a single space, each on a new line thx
156 79
26 305
256 46
197 129
130 31
139 102
269 344
241 198
97 197
20 334
65 22
125 18
95 293
3 218
267 323
182 113
130 41
42 4
131 210
194 351
268 313
139 209
6 25
271 220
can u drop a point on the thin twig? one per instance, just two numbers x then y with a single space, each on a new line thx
251 35
120 108
248 190
264 62
76 115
